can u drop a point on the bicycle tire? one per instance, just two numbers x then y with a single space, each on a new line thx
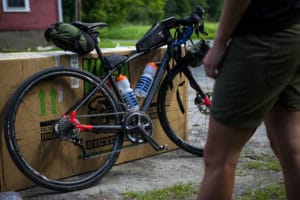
46 159
179 115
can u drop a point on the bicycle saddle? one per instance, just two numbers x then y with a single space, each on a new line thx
87 26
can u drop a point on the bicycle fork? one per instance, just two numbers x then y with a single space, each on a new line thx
201 97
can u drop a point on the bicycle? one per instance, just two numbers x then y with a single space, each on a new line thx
101 109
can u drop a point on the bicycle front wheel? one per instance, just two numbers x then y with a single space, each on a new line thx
183 116
55 159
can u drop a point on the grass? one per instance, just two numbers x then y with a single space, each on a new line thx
135 32
270 191
188 191
262 162
258 162
125 32
211 29
181 191
109 43
127 35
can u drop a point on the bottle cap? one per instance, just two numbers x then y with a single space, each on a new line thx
121 77
150 68
152 64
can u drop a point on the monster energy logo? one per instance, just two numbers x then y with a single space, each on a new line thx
42 99
93 65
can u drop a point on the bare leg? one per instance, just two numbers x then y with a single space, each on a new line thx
222 151
283 128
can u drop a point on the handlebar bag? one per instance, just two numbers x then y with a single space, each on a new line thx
154 38
69 37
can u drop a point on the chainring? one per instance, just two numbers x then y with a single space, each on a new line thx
136 124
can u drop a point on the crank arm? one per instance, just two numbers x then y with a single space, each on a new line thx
152 142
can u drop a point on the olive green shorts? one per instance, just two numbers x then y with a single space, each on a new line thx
258 74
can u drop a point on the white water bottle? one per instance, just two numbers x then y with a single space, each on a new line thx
127 92
146 80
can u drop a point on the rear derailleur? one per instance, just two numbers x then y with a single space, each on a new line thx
66 130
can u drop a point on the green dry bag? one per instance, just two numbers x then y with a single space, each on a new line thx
69 37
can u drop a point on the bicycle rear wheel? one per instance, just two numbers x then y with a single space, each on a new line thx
184 119
49 158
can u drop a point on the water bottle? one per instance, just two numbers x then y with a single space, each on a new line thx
127 92
146 80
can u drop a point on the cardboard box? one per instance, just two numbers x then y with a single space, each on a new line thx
17 67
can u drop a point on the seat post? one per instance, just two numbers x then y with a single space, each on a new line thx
98 50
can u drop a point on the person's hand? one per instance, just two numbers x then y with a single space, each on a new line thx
213 60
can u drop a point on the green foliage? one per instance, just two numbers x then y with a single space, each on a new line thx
137 11
115 11
214 9
182 8
68 10
146 12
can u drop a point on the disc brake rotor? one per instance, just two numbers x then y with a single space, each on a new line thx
201 105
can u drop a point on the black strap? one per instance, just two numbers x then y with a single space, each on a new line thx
179 101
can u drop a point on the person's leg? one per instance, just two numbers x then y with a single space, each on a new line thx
221 154
283 128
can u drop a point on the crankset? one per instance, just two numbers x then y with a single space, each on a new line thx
136 125
138 128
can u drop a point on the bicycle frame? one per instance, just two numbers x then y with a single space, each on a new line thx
164 65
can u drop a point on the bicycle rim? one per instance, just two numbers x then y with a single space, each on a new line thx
185 125
38 151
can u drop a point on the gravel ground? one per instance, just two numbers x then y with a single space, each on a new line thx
161 171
